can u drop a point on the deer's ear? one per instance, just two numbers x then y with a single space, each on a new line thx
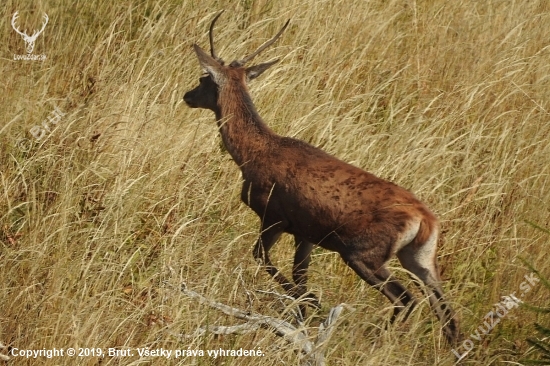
209 64
253 72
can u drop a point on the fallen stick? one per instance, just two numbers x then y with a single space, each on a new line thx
312 351
2 356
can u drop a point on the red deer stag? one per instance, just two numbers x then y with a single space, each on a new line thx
301 190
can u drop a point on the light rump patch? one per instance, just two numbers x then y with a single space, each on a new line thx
299 189
407 235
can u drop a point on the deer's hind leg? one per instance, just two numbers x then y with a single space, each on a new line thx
378 276
421 260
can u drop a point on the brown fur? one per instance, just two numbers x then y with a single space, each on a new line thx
299 189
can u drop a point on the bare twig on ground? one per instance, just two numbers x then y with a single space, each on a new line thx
2 356
313 352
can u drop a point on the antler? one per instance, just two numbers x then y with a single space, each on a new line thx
35 33
16 28
211 36
24 34
264 46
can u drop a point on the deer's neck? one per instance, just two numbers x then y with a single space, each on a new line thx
244 133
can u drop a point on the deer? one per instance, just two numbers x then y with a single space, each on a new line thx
29 40
301 190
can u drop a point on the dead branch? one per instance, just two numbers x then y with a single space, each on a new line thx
2 356
311 351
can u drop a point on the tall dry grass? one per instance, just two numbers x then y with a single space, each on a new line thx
131 194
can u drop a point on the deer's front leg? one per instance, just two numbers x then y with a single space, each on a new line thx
268 237
302 258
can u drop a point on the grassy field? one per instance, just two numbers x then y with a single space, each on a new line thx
130 193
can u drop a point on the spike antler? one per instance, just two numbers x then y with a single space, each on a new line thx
264 46
247 58
211 36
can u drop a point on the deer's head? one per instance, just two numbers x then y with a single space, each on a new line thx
218 76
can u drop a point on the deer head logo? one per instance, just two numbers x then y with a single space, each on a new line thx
29 40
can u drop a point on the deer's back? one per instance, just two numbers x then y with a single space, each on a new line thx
319 196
